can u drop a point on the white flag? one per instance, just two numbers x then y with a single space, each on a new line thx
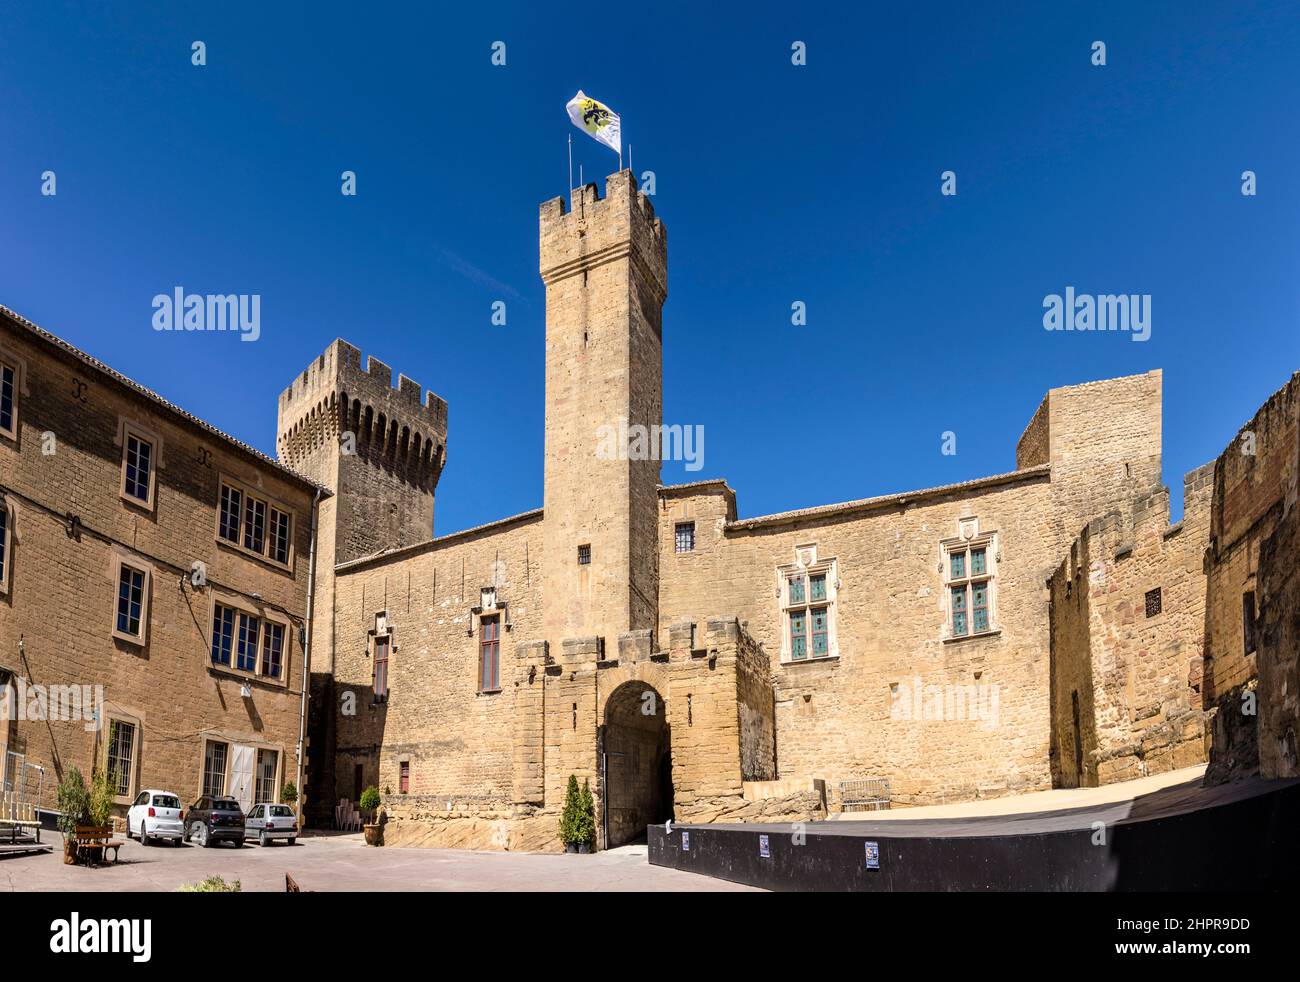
597 120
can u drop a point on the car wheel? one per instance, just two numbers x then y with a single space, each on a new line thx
204 840
263 841
239 843
128 830
292 841
144 836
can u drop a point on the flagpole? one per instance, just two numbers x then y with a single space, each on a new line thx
570 170
629 160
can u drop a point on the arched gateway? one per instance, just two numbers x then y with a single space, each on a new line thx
636 761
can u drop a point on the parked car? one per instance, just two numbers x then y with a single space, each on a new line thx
268 821
213 819
155 815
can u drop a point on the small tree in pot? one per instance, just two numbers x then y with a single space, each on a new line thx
569 816
74 810
374 829
586 819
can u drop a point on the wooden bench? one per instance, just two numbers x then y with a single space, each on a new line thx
17 817
93 840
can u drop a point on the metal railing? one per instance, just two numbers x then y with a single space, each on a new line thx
866 795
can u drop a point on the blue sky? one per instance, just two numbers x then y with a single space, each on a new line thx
777 183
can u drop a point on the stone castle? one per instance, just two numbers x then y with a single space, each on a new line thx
1041 627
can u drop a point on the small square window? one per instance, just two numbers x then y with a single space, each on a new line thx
584 555
1153 605
685 537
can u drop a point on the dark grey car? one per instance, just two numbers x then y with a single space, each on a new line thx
213 819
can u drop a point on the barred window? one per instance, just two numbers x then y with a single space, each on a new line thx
268 764
1248 621
685 536
1154 602
214 768
121 752
584 555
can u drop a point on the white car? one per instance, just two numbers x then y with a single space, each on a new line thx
155 815
268 821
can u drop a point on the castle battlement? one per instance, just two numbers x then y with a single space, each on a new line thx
598 230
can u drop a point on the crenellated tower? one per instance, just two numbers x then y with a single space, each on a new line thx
604 263
380 450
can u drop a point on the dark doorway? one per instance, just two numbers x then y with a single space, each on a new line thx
637 763
358 781
1078 740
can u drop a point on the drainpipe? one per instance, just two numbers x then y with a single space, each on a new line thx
306 656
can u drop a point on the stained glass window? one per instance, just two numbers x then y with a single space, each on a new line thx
798 634
977 562
817 586
958 610
796 590
958 567
819 631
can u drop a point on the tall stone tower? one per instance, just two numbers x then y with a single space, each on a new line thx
604 263
380 451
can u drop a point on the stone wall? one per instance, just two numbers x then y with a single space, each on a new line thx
856 715
1250 665
71 527
1126 677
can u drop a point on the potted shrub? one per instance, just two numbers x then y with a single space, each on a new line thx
103 787
586 827
569 830
374 829
289 793
74 810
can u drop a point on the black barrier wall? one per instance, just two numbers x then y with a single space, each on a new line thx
1248 844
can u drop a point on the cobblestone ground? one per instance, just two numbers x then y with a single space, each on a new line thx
343 863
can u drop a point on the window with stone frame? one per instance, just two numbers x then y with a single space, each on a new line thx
254 523
6 548
215 754
131 609
404 777
383 646
247 643
489 657
138 466
120 758
684 537
969 570
808 593
8 400
268 766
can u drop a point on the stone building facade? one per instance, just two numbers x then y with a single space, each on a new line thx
694 664
153 586
1041 627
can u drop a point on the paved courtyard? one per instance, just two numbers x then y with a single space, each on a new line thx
343 863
